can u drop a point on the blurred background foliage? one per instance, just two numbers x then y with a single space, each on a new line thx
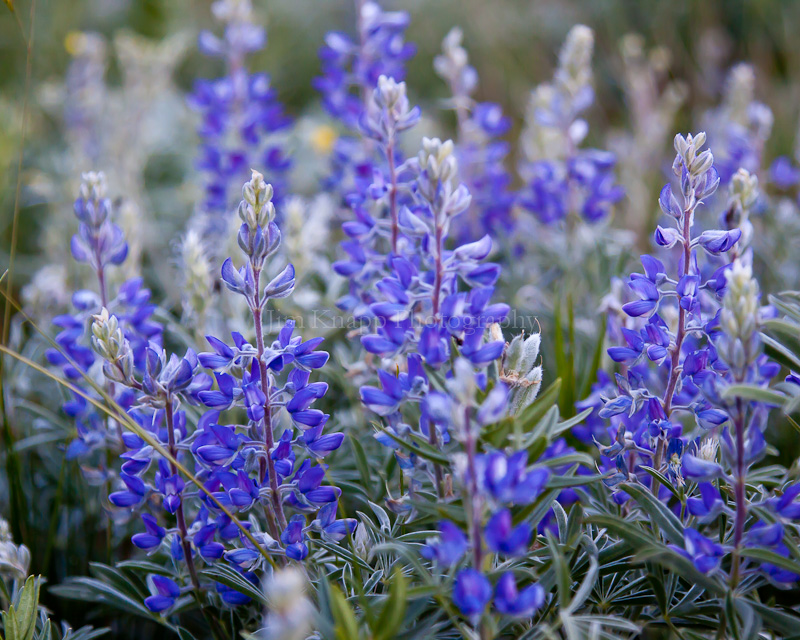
512 43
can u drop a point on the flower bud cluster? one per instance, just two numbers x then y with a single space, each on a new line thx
112 346
739 317
388 112
743 192
99 242
521 372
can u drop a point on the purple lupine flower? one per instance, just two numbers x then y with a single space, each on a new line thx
448 548
510 601
100 244
293 537
502 537
699 469
481 153
562 179
471 592
240 116
153 536
352 67
239 465
507 479
165 591
705 554
709 505
783 174
714 344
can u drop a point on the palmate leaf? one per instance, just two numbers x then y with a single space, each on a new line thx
644 544
661 515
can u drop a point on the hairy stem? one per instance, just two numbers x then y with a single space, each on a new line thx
179 515
680 335
268 465
739 491
675 356
473 497
392 192
216 628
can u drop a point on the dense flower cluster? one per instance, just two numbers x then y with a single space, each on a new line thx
703 344
241 466
240 114
563 180
351 69
100 243
491 482
481 151
487 488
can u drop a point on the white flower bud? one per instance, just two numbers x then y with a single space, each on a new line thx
289 611
530 352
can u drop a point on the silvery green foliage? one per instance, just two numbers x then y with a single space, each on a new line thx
438 477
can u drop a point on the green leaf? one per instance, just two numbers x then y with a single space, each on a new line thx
780 353
663 479
10 625
394 609
731 618
27 609
346 624
144 566
560 570
564 482
93 590
657 510
764 555
183 634
585 590
361 463
778 619
228 576
422 448
757 394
